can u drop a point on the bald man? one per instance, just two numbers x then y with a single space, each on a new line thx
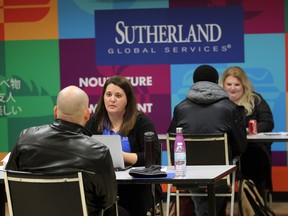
66 145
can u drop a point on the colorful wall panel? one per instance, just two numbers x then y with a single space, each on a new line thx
46 45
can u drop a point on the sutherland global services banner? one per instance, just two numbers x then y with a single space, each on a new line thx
169 36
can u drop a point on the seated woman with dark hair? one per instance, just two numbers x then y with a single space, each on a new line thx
117 113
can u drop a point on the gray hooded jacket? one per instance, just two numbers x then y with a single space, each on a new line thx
206 93
207 109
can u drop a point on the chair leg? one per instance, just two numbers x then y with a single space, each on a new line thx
232 206
177 203
268 198
168 199
161 208
116 206
232 194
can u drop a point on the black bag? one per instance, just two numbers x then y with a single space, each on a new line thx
153 171
187 207
250 202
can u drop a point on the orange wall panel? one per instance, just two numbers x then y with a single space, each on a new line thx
280 178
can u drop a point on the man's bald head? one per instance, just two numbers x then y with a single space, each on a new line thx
72 105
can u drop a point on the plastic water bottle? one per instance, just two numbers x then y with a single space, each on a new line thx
179 154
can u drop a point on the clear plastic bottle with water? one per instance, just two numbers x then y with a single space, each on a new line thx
179 154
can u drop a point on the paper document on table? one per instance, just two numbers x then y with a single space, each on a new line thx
5 160
164 169
275 133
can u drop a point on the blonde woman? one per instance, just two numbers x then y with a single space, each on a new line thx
256 160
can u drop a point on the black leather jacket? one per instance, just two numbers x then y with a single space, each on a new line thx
65 146
207 109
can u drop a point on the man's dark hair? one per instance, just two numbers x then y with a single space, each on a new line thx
205 73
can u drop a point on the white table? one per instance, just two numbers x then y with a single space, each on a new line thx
1 173
2 193
260 137
209 175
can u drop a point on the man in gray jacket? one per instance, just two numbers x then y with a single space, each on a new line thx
207 109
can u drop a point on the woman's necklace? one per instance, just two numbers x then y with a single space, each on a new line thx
116 127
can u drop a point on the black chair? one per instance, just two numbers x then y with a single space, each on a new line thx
37 194
203 149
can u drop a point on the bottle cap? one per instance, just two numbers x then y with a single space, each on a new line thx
179 130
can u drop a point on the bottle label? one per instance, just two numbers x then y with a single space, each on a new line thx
180 156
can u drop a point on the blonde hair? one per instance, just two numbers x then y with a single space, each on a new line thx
248 98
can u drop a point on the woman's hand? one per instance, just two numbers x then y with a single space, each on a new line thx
130 158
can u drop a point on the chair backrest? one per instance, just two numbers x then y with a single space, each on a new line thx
39 194
201 149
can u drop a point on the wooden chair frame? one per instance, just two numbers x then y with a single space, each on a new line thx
33 193
202 149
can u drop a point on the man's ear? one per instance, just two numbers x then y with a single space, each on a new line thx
55 111
87 115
